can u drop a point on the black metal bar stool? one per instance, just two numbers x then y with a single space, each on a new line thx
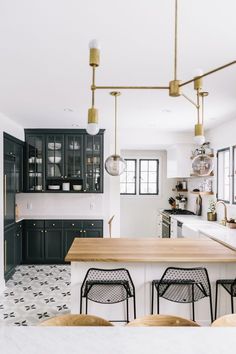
183 285
230 286
108 286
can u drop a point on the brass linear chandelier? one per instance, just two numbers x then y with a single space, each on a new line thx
175 86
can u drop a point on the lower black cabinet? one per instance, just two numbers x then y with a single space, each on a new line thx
9 251
53 240
18 243
49 241
33 245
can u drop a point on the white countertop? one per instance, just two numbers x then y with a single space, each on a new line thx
211 229
117 340
59 217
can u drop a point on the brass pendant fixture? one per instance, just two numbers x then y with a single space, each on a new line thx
115 165
174 87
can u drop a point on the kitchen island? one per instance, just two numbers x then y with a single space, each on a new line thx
146 259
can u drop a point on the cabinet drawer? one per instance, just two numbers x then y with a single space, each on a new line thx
73 224
53 224
92 224
34 224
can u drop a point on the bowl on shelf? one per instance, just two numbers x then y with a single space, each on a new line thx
54 187
54 159
77 187
54 146
74 146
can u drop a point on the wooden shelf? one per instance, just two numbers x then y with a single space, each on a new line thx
196 176
179 190
203 193
209 155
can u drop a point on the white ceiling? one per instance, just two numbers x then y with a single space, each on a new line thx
44 61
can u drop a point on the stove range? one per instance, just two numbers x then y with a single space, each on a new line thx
178 212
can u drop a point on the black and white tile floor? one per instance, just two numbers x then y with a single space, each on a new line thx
35 293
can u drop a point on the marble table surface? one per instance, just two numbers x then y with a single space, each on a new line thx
117 340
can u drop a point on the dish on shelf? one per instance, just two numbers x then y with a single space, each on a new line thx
77 187
38 188
53 187
74 146
54 159
54 171
54 146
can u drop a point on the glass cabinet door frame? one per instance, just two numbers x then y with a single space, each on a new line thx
62 150
27 182
66 158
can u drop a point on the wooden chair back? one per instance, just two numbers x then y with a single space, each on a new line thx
76 320
162 320
225 321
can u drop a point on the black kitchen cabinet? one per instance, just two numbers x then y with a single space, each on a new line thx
68 156
33 244
9 251
53 241
18 243
35 161
48 241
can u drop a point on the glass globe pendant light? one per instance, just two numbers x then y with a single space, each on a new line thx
115 165
202 165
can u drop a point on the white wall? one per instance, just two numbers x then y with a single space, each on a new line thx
220 137
139 214
8 126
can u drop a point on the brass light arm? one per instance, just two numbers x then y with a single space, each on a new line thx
176 40
209 73
190 100
130 87
93 85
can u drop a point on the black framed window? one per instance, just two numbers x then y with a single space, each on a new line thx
128 178
234 174
223 175
148 176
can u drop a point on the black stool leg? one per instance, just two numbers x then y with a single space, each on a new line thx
232 303
152 298
216 300
211 310
158 302
127 310
134 301
81 299
86 306
193 302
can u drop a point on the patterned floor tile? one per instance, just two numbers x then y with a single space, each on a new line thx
35 293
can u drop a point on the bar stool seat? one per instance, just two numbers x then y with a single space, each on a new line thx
225 321
75 320
183 285
162 321
230 286
108 286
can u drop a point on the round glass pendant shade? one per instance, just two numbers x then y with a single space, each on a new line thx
202 165
115 165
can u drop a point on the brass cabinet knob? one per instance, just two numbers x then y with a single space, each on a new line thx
53 224
45 231
41 230
73 224
84 230
34 224
92 224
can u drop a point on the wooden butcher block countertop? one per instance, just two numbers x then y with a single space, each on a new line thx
148 250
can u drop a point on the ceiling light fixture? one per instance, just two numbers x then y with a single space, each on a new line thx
174 87
115 164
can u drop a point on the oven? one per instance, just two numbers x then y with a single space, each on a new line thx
165 225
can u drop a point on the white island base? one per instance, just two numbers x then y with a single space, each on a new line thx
142 275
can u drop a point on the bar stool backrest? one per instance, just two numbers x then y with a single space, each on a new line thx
76 320
174 284
102 285
162 321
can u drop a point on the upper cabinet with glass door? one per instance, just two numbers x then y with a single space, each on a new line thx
54 157
93 164
35 163
74 156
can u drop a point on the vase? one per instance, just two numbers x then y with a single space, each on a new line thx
211 216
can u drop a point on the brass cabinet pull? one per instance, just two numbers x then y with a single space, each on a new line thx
84 230
92 224
5 255
73 224
5 195
81 230
53 224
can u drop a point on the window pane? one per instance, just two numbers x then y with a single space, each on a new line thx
122 188
223 171
152 165
144 165
143 188
149 173
130 188
128 178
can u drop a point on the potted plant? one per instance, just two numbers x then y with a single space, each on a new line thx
211 215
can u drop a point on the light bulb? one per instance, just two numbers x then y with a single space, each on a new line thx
198 72
92 128
199 139
94 43
115 165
